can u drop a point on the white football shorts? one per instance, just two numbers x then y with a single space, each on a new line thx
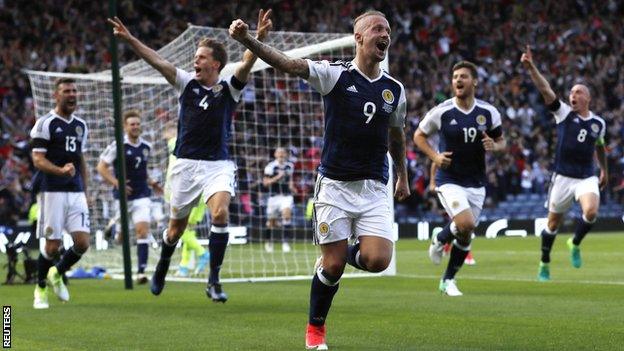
195 180
140 210
344 209
456 198
565 190
60 211
278 203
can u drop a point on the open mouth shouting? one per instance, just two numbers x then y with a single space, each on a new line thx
459 88
382 45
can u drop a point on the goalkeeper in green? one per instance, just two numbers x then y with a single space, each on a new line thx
190 244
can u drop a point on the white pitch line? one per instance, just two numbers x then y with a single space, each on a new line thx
477 277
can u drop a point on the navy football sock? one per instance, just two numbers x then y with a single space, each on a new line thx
142 253
70 257
43 266
459 251
217 245
353 256
167 249
547 242
583 226
446 234
324 287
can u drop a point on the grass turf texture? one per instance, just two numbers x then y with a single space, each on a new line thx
504 308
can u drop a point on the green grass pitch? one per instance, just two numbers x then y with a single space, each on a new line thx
503 308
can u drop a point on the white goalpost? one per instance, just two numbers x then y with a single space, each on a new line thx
276 109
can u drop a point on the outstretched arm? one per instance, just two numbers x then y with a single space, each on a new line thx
270 55
537 78
264 25
166 68
397 151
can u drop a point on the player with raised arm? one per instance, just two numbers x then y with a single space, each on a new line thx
580 134
137 189
364 117
203 170
278 178
467 127
58 142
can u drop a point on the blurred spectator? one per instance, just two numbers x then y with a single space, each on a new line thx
576 40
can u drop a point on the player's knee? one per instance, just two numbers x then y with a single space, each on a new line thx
141 232
334 268
81 246
376 263
52 249
465 228
553 226
174 232
591 214
220 215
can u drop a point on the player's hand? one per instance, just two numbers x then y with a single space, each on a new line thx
264 24
280 175
90 201
527 58
401 191
68 170
488 143
604 179
158 190
238 29
443 160
119 30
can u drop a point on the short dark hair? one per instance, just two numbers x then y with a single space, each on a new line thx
466 64
130 114
218 50
63 80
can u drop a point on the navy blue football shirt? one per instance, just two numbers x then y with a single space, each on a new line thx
205 117
137 156
63 141
461 132
358 113
576 140
281 187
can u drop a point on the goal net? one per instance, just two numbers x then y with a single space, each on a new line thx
276 109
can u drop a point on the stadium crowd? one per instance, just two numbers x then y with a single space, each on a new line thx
570 39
